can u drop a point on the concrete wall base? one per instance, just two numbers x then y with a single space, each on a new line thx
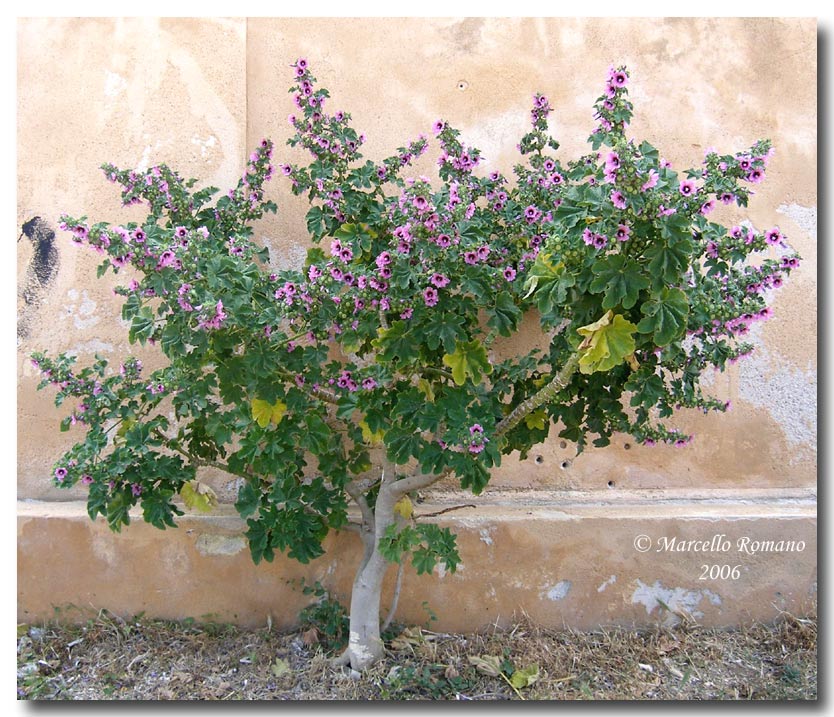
573 559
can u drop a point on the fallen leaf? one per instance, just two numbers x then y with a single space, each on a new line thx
310 637
525 677
280 667
488 664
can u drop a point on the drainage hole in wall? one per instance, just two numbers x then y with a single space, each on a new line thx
627 446
563 444
565 464
539 459
610 484
462 85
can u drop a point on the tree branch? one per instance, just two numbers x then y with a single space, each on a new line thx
416 482
445 510
545 395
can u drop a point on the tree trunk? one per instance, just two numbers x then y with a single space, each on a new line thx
365 646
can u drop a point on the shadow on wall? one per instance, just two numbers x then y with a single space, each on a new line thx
42 268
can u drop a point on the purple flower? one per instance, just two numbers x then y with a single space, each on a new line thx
687 188
167 258
60 474
774 236
439 280
532 213
86 479
139 236
651 181
470 257
369 384
707 207
136 489
618 199
623 232
430 296
618 79
509 273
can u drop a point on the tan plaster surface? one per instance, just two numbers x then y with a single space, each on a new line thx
562 563
199 93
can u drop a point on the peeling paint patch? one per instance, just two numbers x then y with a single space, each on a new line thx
90 347
610 581
292 257
676 599
220 544
560 590
441 570
82 312
204 145
805 217
113 83
485 535
788 394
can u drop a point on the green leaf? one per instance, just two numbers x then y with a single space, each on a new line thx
667 263
607 343
315 223
141 327
423 560
621 279
537 419
469 359
248 500
358 235
545 269
446 329
397 342
265 413
505 316
665 316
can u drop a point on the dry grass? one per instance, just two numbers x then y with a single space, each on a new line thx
143 659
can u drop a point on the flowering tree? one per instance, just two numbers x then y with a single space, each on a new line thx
368 374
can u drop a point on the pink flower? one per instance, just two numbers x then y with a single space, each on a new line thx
774 236
687 188
618 199
430 296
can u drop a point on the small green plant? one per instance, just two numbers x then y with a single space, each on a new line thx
327 616
436 681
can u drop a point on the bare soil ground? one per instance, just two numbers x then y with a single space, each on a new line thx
108 658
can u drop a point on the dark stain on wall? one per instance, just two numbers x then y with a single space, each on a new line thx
41 270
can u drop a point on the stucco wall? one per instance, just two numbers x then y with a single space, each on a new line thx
199 93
